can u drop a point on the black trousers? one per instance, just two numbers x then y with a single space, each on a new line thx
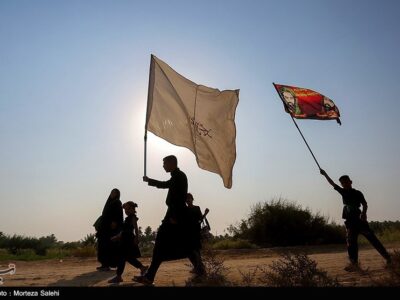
172 242
353 229
197 262
130 259
194 257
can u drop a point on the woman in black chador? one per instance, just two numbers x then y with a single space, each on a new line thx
129 241
110 224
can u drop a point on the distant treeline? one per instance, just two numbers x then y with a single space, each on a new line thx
14 244
277 223
18 245
381 227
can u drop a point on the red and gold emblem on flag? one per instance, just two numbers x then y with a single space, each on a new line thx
304 103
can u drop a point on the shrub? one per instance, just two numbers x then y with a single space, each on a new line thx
233 244
146 241
89 240
249 277
283 223
85 251
215 271
392 279
45 243
296 270
70 245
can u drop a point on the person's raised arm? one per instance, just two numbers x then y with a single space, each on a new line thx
156 183
331 182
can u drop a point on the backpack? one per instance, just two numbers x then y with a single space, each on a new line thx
97 224
205 228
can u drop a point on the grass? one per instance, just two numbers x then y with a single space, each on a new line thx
85 251
30 255
233 244
54 253
386 236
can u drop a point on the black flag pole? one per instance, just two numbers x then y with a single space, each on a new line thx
148 109
295 123
145 152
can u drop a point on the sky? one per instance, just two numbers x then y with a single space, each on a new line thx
73 94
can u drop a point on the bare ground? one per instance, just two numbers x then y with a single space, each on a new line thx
82 272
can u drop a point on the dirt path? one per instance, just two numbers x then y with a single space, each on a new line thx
82 272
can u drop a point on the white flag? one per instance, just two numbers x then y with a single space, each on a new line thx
194 116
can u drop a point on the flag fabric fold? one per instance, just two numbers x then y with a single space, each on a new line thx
194 116
304 103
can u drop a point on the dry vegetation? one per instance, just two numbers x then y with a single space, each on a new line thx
322 266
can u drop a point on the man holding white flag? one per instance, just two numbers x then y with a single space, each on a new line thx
194 116
175 237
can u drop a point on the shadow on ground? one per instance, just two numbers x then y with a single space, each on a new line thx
92 278
86 279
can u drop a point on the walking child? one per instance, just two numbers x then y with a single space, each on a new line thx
129 240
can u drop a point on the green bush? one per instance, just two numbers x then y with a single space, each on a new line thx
89 240
70 245
45 243
232 244
146 241
283 223
85 251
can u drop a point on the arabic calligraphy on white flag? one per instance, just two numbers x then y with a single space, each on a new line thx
194 116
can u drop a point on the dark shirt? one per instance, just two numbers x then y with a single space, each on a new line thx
129 247
195 215
128 233
176 198
352 200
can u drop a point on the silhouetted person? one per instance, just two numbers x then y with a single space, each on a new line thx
355 220
195 220
172 235
129 241
111 222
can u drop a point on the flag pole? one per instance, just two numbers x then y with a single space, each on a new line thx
145 151
148 109
295 123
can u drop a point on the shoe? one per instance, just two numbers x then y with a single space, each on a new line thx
201 271
144 270
389 264
116 279
143 280
352 267
103 268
